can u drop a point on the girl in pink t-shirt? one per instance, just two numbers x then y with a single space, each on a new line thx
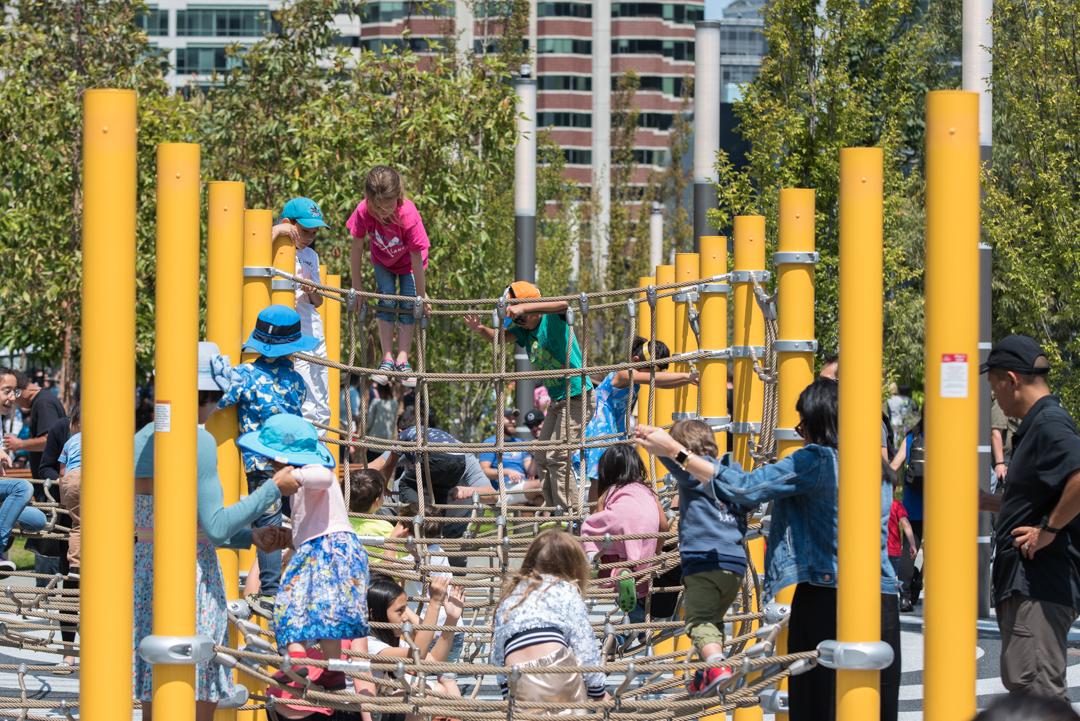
391 227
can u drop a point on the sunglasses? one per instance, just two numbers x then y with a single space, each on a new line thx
800 430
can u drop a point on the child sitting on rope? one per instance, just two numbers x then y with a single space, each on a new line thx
542 329
627 505
617 393
388 604
711 534
390 225
323 594
542 621
301 219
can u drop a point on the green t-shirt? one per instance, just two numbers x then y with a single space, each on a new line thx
546 345
372 527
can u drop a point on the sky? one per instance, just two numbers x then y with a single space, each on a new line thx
713 8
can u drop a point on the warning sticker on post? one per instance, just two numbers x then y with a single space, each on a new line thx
162 417
954 375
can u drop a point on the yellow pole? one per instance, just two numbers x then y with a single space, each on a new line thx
952 408
686 268
664 405
176 418
224 316
108 402
644 329
332 326
749 396
282 291
714 335
859 591
795 319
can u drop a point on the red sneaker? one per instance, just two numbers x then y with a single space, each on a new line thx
707 681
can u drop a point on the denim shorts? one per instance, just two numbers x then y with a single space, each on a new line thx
390 283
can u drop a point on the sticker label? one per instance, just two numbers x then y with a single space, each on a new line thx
954 375
162 417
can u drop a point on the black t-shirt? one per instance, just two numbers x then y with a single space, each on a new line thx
45 410
1046 452
54 444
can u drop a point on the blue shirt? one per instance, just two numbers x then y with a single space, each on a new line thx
512 460
259 390
71 456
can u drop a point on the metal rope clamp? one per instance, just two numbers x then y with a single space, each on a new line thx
690 295
714 288
776 612
774 701
795 346
741 428
800 257
258 271
717 423
855 655
176 650
750 276
718 354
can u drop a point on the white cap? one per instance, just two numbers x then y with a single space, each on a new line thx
207 350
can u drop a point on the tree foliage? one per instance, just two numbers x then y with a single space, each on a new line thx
1033 187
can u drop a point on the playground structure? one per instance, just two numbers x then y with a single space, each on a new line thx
685 304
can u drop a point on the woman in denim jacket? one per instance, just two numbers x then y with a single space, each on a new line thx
802 545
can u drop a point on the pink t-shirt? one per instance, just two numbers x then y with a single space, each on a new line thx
318 508
391 244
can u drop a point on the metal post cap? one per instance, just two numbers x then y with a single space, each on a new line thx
855 655
176 650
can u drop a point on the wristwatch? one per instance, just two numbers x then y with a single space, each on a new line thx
683 456
1045 526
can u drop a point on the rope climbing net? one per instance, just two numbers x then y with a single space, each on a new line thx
647 663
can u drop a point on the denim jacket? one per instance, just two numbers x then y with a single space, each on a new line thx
804 489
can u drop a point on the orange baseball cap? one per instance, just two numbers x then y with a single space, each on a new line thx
523 289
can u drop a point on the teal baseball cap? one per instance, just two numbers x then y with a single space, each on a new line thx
304 211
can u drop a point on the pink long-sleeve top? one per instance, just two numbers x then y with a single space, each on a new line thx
627 510
318 508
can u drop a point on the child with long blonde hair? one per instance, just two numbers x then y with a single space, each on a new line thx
542 621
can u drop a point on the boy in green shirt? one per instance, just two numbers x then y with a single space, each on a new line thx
541 328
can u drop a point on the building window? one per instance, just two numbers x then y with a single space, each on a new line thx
154 22
564 46
204 60
742 41
223 22
560 119
650 156
580 83
577 156
380 46
668 85
671 12
495 45
674 49
564 10
387 12
656 121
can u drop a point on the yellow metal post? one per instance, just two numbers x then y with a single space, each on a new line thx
644 329
859 584
748 343
108 403
332 326
952 401
795 332
224 316
176 418
686 268
282 291
664 404
714 335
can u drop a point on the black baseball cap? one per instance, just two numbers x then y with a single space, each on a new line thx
1019 354
534 418
511 413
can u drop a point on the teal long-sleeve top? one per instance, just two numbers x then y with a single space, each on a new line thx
225 526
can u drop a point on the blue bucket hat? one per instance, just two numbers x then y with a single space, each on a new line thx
277 333
288 439
304 211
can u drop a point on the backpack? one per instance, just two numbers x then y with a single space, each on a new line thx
916 462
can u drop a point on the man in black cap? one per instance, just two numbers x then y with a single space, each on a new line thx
1036 573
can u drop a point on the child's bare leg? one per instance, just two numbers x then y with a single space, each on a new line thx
296 647
449 687
251 583
386 338
712 650
404 342
331 648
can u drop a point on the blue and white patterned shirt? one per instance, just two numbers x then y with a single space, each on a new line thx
261 389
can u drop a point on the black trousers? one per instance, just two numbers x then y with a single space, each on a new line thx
812 695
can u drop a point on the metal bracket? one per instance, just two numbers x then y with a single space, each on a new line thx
799 257
283 284
717 423
855 655
743 428
795 346
258 271
689 295
747 351
776 612
715 288
749 276
238 698
774 701
681 416
786 434
176 650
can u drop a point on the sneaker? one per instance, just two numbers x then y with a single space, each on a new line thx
378 377
905 606
707 681
408 381
6 566
261 605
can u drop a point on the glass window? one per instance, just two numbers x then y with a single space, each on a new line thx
223 22
746 40
675 49
564 46
385 12
204 60
671 12
667 85
581 83
565 10
560 119
577 156
380 46
656 121
154 22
